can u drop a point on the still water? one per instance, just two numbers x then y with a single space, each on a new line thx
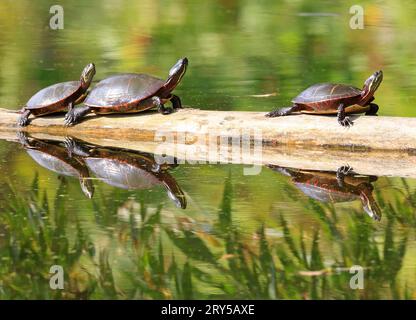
123 227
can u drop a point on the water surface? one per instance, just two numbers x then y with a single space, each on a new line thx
263 236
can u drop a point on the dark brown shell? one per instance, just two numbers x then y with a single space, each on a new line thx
53 163
123 89
324 186
324 192
120 174
322 92
53 94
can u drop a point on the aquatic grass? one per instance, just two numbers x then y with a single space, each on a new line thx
34 240
295 269
172 261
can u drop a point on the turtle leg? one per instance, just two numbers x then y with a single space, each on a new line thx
74 147
23 138
75 114
283 111
24 118
70 110
70 107
176 102
343 120
341 173
373 110
160 107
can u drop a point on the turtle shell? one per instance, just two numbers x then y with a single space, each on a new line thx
326 91
53 163
323 186
123 89
324 98
121 175
53 94
323 194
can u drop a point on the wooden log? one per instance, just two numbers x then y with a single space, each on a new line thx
368 132
382 146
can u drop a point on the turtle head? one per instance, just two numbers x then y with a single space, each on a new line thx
176 74
371 85
178 199
174 192
87 186
370 205
87 75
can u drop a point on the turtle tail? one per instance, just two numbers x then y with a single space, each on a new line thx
283 111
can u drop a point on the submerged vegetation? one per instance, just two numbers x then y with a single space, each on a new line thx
251 237
157 255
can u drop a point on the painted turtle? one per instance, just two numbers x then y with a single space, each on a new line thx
52 156
130 92
339 186
128 169
331 98
58 97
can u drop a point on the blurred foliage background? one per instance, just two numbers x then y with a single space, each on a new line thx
237 48
241 236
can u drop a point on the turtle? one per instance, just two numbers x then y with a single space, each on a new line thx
131 92
58 97
340 186
127 169
333 98
55 157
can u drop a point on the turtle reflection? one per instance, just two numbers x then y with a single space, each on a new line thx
342 185
53 156
127 169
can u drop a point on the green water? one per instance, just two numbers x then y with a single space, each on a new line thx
240 236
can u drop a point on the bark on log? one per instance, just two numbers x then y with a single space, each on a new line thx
373 146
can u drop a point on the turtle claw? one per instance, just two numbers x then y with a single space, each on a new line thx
75 148
69 119
69 146
164 110
23 120
345 170
346 122
342 172
75 115
22 137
